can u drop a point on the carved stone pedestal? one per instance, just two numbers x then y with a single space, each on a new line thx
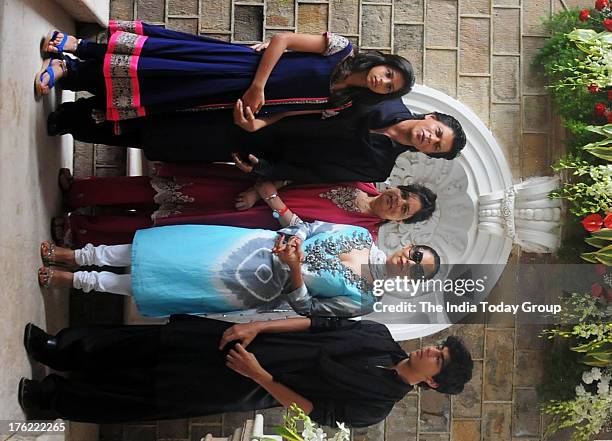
251 429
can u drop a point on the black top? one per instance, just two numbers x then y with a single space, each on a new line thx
334 365
304 149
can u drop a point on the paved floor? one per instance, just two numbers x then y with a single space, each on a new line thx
29 161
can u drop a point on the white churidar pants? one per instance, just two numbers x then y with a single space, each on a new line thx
103 281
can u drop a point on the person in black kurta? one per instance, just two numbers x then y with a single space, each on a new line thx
130 373
303 149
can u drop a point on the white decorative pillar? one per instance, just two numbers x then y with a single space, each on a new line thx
250 430
524 213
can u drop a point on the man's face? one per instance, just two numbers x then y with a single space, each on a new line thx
429 361
396 205
427 135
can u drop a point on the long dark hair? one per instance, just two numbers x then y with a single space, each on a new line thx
364 61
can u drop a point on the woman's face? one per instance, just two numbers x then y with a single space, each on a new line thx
396 205
384 79
411 261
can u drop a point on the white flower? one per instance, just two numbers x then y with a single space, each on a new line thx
596 374
603 388
580 390
587 377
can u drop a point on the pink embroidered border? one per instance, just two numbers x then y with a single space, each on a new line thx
112 113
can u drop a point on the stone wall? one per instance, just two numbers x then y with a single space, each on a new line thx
480 52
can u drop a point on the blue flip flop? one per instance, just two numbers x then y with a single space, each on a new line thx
47 68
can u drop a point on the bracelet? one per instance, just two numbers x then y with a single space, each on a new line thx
283 211
272 196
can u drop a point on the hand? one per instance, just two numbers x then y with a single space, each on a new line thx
245 332
246 199
254 98
245 363
289 252
244 118
260 46
246 167
265 188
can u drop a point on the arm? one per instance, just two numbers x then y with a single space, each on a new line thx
267 191
304 303
247 198
245 363
254 96
244 117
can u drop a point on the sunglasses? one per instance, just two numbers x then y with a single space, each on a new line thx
416 255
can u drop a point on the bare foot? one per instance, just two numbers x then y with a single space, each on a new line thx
69 46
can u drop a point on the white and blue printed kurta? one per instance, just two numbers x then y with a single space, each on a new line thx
209 269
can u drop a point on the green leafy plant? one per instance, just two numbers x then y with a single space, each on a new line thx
591 188
601 239
559 50
603 148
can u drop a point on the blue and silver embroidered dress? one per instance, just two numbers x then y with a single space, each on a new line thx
208 269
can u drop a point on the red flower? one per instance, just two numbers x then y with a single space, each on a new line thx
596 290
609 117
584 15
593 88
600 109
592 222
608 220
608 24
600 4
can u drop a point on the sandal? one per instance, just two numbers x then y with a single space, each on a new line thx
47 68
51 36
47 253
45 276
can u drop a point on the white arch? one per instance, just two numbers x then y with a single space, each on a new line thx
481 169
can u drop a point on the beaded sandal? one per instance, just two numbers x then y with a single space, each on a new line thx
45 276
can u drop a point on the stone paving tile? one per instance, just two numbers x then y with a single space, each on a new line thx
536 160
441 24
525 415
505 77
248 23
373 433
506 30
473 338
531 80
408 10
498 365
312 18
189 25
280 13
403 420
528 337
468 403
439 66
434 437
435 411
122 9
466 430
474 45
376 26
215 15
345 17
150 10
496 422
536 114
183 7
474 93
533 11
529 370
408 41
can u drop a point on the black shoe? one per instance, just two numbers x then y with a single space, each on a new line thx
37 342
29 395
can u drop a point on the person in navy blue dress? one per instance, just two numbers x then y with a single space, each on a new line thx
145 69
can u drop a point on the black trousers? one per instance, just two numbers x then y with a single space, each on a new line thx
112 373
